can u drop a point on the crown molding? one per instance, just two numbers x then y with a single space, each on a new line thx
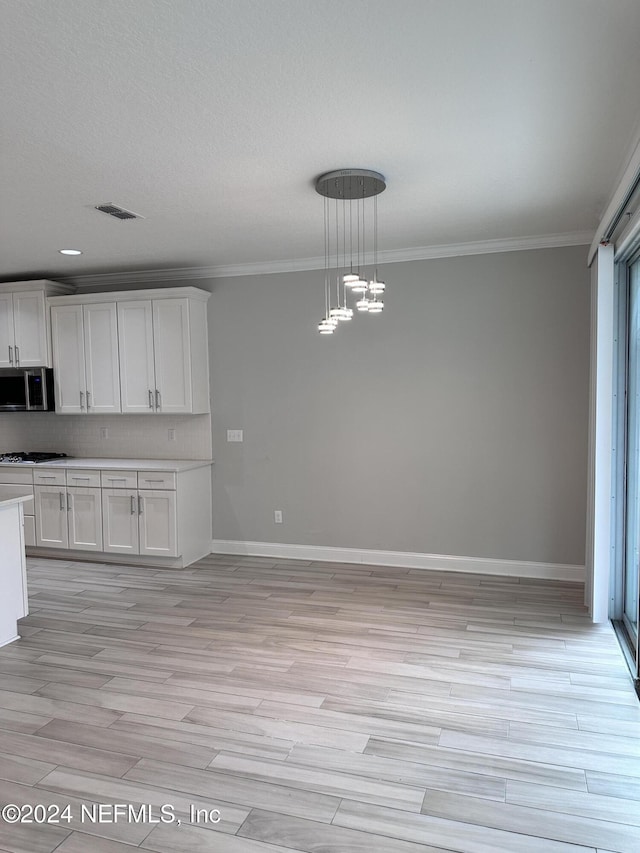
390 256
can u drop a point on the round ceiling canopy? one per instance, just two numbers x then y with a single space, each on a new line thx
350 184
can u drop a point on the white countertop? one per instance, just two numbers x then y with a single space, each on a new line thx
11 501
116 464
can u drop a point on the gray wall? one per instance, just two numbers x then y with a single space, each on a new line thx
454 423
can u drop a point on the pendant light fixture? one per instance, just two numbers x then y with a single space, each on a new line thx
350 232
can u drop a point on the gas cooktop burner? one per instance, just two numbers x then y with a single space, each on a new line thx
30 458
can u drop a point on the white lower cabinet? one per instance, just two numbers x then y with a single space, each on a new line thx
149 514
140 522
84 513
51 514
120 520
158 524
68 518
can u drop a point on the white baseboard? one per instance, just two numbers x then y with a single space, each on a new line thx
10 640
404 559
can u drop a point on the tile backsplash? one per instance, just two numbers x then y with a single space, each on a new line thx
129 436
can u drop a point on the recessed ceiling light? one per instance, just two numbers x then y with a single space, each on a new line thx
70 251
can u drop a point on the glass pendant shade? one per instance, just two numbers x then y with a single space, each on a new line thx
376 286
376 306
341 313
326 327
359 286
362 305
350 279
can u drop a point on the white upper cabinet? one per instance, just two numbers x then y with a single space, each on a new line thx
142 352
101 358
25 339
172 351
7 336
164 356
164 352
137 369
68 357
85 358
30 325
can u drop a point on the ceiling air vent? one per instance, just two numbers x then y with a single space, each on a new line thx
118 212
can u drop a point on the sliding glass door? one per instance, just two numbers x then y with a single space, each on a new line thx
631 567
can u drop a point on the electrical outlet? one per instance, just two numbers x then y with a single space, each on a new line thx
277 516
104 432
235 435
171 433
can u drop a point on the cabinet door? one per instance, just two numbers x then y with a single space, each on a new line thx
51 517
120 520
7 336
84 510
135 343
158 523
29 320
101 358
172 353
68 359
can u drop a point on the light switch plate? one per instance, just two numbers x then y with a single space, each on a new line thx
104 432
234 435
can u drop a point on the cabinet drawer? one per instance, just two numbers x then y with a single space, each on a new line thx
119 479
9 475
156 480
80 477
49 477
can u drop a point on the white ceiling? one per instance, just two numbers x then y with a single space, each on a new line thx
492 120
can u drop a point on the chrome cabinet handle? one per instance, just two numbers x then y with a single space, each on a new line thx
61 501
157 399
17 356
81 400
150 398
133 505
11 357
139 504
88 400
81 478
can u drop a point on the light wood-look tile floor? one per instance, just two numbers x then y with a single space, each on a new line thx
321 708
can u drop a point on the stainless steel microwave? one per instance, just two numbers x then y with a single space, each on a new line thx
26 390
